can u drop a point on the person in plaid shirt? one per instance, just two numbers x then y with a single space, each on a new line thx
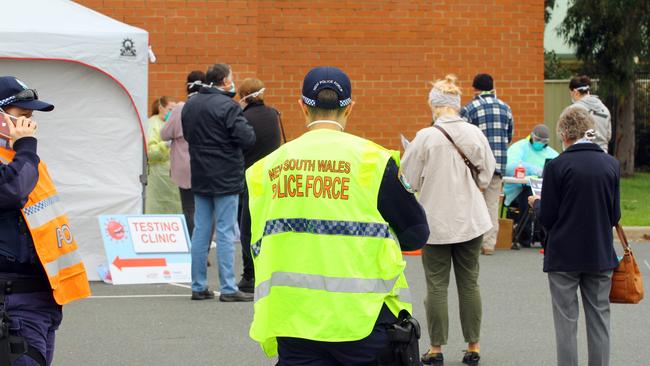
494 118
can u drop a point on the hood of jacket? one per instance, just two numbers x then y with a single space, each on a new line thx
592 102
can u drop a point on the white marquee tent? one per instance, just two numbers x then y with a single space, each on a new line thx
94 70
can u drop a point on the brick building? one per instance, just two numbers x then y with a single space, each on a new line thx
390 49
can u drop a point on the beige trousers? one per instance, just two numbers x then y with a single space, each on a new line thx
491 196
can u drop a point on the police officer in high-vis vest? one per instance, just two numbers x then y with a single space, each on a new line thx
40 267
328 217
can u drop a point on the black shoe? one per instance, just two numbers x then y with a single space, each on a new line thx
202 295
432 359
246 285
236 297
471 358
515 246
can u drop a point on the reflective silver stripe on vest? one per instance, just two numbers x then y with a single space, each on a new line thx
329 284
322 227
403 295
43 212
64 261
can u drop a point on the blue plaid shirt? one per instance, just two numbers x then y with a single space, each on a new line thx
494 118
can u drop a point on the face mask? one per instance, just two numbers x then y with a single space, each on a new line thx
243 102
169 113
230 92
538 146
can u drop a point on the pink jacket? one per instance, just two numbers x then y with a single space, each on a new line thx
179 154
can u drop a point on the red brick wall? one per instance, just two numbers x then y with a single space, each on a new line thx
390 49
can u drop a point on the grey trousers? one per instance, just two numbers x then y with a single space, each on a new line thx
594 288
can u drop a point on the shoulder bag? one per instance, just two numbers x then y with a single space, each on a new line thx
627 283
474 170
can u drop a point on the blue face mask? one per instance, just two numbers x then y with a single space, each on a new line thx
232 88
169 113
538 146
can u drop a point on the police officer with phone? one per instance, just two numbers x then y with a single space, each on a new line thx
40 268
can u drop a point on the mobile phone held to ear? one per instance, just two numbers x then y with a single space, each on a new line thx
4 127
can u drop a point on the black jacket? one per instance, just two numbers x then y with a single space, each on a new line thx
580 204
217 132
266 124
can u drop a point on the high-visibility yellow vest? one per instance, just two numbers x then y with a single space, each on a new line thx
53 240
325 259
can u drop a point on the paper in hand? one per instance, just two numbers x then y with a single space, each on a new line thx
405 142
536 186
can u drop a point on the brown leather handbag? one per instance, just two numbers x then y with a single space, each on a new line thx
627 283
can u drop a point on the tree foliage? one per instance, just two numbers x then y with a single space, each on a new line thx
553 68
548 9
610 37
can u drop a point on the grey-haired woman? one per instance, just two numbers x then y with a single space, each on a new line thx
580 203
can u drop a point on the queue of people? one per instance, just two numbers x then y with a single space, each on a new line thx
343 298
453 166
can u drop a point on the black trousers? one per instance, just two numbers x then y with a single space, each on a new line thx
247 258
364 352
187 203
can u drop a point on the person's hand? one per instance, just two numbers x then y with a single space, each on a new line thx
532 199
23 127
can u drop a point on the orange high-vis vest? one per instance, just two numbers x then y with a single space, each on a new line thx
53 240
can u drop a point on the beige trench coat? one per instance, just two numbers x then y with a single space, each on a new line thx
454 205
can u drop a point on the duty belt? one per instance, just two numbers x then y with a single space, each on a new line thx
12 346
22 286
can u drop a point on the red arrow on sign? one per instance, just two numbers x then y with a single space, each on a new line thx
139 262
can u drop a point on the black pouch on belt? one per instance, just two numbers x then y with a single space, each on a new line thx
14 346
404 335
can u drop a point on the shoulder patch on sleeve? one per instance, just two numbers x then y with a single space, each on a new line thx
405 183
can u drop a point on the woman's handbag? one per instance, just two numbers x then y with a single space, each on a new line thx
627 283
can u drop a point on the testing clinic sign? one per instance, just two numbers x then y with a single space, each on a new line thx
146 248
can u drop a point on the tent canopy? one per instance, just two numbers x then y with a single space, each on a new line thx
64 30
94 70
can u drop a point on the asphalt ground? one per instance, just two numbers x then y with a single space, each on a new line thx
159 324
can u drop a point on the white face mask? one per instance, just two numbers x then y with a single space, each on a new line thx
256 94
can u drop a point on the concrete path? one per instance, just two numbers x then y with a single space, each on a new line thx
159 325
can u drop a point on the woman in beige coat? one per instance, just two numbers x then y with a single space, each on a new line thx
456 212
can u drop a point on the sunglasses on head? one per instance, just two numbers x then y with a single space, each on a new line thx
26 95
23 96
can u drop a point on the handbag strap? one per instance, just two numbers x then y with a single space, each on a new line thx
469 164
622 238
284 137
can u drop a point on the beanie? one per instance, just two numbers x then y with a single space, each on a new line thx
483 82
